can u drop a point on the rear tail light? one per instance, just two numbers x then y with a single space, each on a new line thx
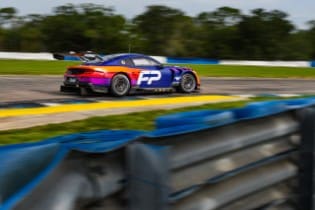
78 71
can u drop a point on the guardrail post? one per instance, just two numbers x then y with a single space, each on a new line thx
147 177
307 161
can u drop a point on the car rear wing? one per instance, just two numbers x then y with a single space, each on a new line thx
76 56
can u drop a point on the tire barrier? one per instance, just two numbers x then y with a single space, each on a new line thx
260 156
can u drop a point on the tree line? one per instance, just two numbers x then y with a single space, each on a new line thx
225 33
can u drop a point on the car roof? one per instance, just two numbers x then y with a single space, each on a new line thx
127 55
108 59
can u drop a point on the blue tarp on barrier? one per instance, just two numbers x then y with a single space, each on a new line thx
71 58
30 163
24 166
312 63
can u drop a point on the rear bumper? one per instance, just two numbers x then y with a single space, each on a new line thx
66 87
94 88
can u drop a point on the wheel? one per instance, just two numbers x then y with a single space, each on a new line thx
120 85
188 83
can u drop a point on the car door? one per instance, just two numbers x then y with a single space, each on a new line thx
152 74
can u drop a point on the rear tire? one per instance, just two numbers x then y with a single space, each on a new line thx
120 85
188 83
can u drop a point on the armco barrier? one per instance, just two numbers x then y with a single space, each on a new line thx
26 56
268 63
256 157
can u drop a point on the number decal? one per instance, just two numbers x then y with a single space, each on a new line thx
149 77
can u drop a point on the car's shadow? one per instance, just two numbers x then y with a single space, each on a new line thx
57 97
74 97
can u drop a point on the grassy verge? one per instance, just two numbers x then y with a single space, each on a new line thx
31 67
134 121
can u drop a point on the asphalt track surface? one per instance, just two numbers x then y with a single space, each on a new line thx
23 92
32 88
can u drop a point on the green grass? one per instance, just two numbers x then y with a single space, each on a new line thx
134 121
31 67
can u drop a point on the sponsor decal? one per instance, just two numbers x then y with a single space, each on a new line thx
148 77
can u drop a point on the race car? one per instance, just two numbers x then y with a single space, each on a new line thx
119 74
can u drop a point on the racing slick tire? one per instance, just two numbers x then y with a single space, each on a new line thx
120 85
187 84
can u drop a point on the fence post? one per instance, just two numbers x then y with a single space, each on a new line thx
148 177
307 161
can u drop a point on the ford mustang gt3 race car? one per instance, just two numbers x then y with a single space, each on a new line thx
118 74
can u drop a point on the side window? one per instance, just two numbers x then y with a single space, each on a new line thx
126 62
144 62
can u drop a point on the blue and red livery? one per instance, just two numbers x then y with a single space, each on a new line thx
118 74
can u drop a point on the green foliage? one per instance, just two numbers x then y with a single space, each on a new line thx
263 34
225 33
311 36
6 14
160 26
84 27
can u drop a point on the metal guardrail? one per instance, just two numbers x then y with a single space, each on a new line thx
257 157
